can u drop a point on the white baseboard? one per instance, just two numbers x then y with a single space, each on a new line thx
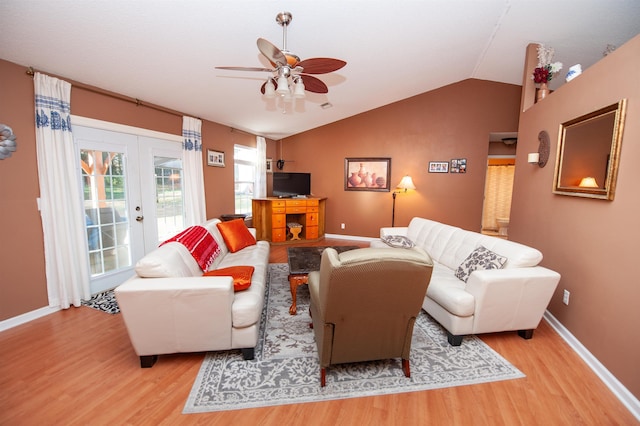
618 389
26 317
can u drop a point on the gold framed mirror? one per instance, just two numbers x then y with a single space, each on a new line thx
589 152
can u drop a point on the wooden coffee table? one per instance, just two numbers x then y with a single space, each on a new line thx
303 260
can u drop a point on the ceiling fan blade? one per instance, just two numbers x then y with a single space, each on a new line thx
271 52
314 84
245 69
321 65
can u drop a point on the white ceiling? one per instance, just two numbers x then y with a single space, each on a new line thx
165 52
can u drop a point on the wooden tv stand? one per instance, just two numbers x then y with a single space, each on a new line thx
271 216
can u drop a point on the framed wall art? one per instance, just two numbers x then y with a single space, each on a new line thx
459 165
269 165
215 158
438 166
367 174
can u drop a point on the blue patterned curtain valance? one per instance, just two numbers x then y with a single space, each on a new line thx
53 112
192 140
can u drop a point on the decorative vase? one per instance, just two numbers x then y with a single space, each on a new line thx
362 171
355 180
542 92
367 180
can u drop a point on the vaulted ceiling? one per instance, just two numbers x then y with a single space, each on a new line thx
165 52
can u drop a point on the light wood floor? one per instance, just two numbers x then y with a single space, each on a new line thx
77 367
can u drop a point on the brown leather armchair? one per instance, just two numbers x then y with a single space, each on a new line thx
364 304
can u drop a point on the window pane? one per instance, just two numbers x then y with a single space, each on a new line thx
106 221
169 197
244 166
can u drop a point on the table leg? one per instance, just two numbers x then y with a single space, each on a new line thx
294 282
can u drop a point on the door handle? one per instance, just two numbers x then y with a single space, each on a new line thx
139 218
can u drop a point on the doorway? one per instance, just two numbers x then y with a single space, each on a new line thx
496 209
132 195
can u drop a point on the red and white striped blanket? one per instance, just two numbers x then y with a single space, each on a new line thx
200 243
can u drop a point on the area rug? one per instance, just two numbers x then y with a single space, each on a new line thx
105 302
286 370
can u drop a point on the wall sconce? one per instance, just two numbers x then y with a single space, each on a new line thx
533 158
540 158
7 141
405 184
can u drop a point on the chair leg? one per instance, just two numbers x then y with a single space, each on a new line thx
406 368
323 377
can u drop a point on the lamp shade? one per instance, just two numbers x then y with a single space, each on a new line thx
269 89
588 182
298 91
283 85
406 183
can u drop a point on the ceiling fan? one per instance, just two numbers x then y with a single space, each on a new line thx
287 65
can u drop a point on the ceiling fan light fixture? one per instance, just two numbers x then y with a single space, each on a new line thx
298 91
269 89
283 85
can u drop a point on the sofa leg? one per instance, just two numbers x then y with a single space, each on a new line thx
323 377
248 353
454 340
147 361
525 334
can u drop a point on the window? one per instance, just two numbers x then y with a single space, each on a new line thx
244 169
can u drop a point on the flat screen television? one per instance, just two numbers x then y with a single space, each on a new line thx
291 184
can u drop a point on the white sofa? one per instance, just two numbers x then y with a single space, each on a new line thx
514 297
170 307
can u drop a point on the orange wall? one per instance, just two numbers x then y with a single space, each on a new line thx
451 122
592 243
22 280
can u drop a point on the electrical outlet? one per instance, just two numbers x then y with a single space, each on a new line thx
342 226
565 297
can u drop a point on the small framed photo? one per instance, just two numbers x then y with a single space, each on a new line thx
269 165
367 174
438 166
459 165
215 158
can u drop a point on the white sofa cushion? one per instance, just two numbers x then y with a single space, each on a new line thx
246 307
450 292
170 260
450 245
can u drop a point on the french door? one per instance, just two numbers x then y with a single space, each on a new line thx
132 190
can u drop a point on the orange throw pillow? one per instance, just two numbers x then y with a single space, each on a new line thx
241 276
236 235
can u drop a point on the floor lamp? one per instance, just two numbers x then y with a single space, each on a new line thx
405 184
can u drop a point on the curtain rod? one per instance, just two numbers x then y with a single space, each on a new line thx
31 72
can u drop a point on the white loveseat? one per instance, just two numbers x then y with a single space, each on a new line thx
170 307
513 297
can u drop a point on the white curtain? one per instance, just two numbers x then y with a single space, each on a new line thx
260 191
193 182
65 251
497 196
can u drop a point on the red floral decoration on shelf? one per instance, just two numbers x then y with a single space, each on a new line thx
541 75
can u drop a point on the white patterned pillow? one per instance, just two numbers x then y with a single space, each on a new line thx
481 258
399 241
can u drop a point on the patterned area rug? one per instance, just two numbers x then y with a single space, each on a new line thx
105 302
286 371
